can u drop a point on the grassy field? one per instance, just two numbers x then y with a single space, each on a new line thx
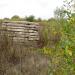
55 54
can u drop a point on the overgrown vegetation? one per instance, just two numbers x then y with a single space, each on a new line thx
60 33
57 41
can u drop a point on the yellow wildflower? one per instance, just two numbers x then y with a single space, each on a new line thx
69 52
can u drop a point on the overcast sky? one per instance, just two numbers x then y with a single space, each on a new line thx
38 8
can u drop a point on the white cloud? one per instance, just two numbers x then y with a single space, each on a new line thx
38 8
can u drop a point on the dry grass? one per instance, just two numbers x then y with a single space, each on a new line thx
19 60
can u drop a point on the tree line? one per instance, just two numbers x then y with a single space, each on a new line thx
30 18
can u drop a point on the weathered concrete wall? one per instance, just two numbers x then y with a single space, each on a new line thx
22 32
